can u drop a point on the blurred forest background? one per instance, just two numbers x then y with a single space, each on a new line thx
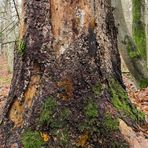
9 23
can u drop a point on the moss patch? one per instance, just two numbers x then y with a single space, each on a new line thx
137 47
111 124
65 113
121 102
31 139
60 119
106 128
143 83
97 89
91 109
138 28
117 144
21 47
63 136
47 111
55 117
131 48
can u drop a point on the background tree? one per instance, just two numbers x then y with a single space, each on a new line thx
133 46
67 88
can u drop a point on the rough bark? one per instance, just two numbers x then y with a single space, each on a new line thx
67 86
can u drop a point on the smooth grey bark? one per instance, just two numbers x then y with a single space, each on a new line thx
137 66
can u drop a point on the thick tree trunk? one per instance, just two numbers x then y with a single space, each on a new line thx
67 87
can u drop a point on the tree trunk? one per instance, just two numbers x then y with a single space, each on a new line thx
133 48
67 89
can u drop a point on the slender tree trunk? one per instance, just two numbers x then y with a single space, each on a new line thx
146 27
67 89
133 48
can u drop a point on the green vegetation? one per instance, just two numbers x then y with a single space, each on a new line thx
60 120
91 114
97 89
59 126
138 28
89 125
92 123
21 47
103 127
56 120
65 113
47 111
91 109
131 48
119 144
121 102
143 83
31 139
1 34
46 116
112 124
138 47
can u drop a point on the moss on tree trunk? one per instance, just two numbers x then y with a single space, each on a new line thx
139 35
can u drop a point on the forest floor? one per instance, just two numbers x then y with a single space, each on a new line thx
138 96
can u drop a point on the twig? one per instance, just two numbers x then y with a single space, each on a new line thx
16 10
8 42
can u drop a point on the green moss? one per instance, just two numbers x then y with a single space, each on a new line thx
31 139
91 114
91 109
47 111
97 89
143 83
60 119
131 48
136 9
65 113
138 28
105 128
21 47
92 122
110 123
94 125
1 34
121 102
59 127
55 118
90 125
119 144
137 47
